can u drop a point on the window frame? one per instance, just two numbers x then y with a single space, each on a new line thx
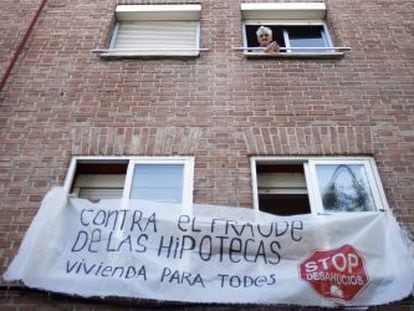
155 13
187 175
289 14
186 161
326 37
309 164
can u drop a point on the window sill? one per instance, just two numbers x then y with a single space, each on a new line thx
329 55
144 55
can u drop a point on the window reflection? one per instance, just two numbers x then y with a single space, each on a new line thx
311 36
344 188
158 183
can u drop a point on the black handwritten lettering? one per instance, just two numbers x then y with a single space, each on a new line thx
272 280
213 223
120 219
222 277
99 218
82 217
165 246
136 221
247 249
205 255
82 239
193 226
187 244
186 220
231 224
70 266
260 281
265 235
140 243
112 217
109 246
95 238
261 253
181 277
282 231
102 270
106 271
296 226
98 270
275 252
127 241
152 220
246 281
235 248
221 239
142 223
183 219
232 249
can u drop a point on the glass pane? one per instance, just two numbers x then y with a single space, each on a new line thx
158 182
306 36
345 188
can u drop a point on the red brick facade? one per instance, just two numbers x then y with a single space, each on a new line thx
61 100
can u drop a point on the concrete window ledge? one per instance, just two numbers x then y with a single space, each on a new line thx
331 55
114 56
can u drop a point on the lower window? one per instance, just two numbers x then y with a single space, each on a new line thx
289 186
161 179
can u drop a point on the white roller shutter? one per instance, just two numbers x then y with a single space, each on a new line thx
281 183
157 37
284 11
99 186
156 30
100 193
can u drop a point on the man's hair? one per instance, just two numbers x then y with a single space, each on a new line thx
263 29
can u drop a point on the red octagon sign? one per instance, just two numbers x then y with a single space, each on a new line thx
336 274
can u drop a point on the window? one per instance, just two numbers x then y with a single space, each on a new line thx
306 39
160 179
282 189
289 186
99 179
155 30
298 28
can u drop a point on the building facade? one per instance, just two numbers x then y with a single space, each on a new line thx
81 90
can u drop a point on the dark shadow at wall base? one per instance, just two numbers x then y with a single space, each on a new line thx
22 298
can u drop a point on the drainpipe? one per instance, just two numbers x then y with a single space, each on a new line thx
21 45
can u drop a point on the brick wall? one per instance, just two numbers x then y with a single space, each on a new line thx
61 100
15 17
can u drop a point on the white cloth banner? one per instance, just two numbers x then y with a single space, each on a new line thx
212 254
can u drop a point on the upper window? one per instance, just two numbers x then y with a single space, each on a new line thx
289 186
286 29
156 30
161 179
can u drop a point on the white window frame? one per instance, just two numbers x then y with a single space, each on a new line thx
326 37
289 14
187 194
309 164
169 12
186 161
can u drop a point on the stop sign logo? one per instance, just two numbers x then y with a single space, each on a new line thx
336 274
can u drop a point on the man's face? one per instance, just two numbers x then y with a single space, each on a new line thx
264 39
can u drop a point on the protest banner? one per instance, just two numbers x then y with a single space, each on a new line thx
213 254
